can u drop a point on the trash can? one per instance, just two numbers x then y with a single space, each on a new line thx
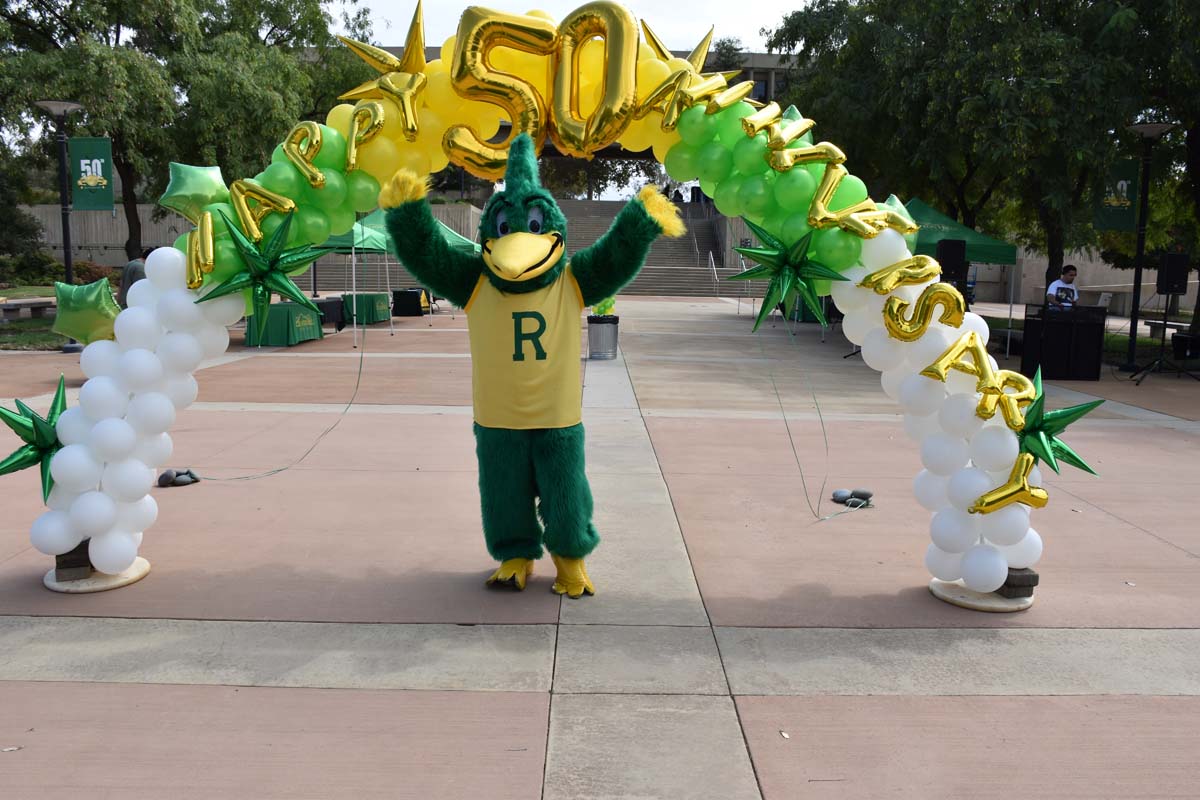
602 336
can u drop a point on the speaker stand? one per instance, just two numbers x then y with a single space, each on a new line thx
1162 361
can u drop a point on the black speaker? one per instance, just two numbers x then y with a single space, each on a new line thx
952 255
1173 274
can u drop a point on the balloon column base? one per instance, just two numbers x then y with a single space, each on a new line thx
954 593
98 581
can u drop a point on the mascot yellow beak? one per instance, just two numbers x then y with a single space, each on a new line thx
522 256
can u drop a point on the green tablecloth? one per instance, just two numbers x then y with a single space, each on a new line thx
372 307
287 324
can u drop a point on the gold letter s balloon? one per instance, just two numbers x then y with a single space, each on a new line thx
572 133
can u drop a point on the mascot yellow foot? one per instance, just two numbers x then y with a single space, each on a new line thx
513 572
572 579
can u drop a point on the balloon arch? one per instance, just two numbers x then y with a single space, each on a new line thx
585 83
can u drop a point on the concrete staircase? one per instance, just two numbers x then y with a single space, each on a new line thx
674 267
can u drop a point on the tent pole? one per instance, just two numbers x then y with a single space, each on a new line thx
1011 275
354 290
387 272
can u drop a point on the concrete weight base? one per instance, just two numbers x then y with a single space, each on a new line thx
99 582
954 593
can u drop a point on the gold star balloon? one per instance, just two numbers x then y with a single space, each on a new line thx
39 436
690 85
85 313
401 79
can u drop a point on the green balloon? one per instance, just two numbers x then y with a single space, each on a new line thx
837 249
727 196
313 225
729 123
697 126
850 191
681 162
362 191
192 188
85 313
217 209
823 287
795 227
714 162
341 220
333 194
227 262
794 190
774 222
278 156
180 242
750 155
282 178
709 188
755 195
332 154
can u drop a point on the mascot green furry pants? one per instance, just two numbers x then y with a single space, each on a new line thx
523 297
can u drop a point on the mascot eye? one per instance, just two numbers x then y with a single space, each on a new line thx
502 223
536 222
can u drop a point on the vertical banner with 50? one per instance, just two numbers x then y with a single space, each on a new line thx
91 173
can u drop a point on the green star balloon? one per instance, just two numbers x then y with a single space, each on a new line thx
265 270
39 436
192 188
893 204
792 274
85 313
1040 434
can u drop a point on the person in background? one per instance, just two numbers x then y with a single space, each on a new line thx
133 272
1063 293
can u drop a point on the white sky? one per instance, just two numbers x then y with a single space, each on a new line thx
680 24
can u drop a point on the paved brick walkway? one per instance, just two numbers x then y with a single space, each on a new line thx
325 632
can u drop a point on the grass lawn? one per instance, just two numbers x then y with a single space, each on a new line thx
29 334
25 292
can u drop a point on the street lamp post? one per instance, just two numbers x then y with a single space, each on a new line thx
59 110
1150 133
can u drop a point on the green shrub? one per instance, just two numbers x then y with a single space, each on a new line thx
39 268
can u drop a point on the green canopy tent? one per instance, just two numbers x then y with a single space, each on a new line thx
981 248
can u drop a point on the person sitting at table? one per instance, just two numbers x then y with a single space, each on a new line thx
1063 294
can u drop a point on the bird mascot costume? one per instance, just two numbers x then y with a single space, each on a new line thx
523 297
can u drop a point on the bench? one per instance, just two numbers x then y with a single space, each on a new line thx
1156 328
37 308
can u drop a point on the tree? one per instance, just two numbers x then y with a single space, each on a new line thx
20 235
726 55
572 177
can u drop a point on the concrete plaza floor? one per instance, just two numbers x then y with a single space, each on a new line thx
324 632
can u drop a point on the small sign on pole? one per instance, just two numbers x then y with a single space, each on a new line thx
91 173
1117 210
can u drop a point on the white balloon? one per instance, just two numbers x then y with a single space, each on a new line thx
936 339
857 324
113 553
150 413
73 426
60 498
942 565
137 327
847 294
974 322
75 469
921 395
957 415
182 390
180 352
178 311
154 451
918 428
112 439
884 250
139 370
942 453
92 514
51 534
960 382
103 397
137 538
880 351
984 568
930 490
127 481
994 448
966 485
1005 526
137 516
954 530
1035 476
166 268
910 292
224 310
1025 553
891 379
100 358
214 340
142 295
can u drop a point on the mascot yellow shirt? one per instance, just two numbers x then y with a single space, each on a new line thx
525 355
